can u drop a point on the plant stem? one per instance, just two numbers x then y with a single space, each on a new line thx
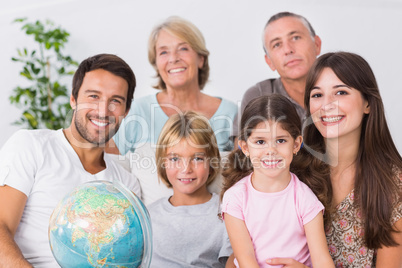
49 91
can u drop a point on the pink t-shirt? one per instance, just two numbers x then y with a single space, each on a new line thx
275 221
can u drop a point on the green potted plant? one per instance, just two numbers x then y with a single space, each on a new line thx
45 102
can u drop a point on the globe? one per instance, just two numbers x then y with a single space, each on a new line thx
101 224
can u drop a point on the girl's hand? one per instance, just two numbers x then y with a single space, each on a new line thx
286 262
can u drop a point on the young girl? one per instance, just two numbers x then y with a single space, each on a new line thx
268 212
187 231
358 177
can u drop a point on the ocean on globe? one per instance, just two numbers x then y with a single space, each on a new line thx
101 224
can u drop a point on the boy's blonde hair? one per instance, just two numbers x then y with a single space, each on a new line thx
196 129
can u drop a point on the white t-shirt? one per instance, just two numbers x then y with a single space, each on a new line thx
43 165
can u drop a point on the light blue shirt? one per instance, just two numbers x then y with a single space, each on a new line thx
144 123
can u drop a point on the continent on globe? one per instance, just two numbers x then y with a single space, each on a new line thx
101 224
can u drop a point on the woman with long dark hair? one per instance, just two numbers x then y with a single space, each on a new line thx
351 163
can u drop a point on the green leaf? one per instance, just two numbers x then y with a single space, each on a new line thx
27 75
20 20
31 119
34 99
62 70
56 85
43 79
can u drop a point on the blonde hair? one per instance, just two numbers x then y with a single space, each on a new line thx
196 129
187 32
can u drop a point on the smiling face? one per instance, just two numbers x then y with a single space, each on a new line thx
187 169
271 149
177 63
337 109
290 47
99 108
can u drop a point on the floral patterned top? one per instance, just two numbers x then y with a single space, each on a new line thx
345 234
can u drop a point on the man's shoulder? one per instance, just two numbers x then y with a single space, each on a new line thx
264 87
35 132
32 136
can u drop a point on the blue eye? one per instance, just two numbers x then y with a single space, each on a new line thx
173 159
198 159
116 101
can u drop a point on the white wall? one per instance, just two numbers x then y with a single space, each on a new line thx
232 29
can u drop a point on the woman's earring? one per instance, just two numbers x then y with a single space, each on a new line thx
295 153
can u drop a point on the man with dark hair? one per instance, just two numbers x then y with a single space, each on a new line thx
39 167
291 47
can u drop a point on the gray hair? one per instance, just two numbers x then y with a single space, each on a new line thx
283 15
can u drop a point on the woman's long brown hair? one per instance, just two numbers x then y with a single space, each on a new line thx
377 163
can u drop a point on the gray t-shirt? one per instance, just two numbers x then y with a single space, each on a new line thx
263 88
188 236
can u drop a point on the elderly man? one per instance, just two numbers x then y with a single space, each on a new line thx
291 47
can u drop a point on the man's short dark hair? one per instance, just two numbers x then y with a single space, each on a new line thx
110 63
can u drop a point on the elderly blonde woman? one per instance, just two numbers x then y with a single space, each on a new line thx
178 53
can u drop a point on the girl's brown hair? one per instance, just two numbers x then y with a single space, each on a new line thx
377 162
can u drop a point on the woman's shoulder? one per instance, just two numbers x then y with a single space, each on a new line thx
144 105
225 107
397 210
147 99
227 104
398 176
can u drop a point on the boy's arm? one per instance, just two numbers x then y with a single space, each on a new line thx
241 242
317 243
12 204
